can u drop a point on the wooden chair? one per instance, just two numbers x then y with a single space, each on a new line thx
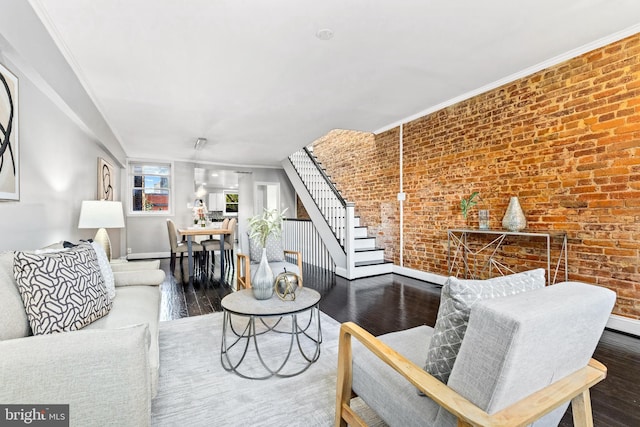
213 245
179 247
523 358
246 268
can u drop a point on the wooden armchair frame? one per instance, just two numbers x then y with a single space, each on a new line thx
574 388
243 277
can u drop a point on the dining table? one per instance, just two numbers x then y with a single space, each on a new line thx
209 230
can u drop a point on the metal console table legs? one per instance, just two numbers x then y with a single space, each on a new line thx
461 258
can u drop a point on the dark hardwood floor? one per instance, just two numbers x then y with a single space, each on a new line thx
391 303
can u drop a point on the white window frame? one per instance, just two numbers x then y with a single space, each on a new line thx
130 187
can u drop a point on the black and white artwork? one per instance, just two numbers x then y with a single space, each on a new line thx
9 164
106 181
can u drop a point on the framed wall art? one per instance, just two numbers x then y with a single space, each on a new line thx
106 180
9 148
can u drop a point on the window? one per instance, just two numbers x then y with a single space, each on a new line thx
150 188
230 203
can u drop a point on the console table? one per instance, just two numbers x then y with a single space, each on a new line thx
459 252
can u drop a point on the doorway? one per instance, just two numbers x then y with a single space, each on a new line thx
267 196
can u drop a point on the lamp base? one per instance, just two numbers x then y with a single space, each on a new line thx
102 238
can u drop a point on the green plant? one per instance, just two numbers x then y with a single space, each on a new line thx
468 203
261 226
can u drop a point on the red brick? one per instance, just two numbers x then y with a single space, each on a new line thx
566 140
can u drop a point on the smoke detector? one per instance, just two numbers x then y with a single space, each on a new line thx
325 34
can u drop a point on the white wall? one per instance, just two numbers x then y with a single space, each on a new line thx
58 169
61 135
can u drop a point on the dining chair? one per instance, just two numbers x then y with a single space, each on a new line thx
214 240
213 245
180 247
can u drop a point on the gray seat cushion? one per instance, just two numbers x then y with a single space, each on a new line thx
392 397
135 305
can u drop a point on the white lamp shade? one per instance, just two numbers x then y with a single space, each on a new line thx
101 214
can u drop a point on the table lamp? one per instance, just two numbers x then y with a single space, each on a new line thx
101 214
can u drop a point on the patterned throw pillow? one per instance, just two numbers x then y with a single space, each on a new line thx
275 250
61 291
458 296
105 269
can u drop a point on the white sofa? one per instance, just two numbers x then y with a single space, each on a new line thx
107 371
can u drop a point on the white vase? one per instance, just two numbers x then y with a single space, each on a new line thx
262 279
514 219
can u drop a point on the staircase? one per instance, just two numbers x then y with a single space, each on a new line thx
368 258
354 252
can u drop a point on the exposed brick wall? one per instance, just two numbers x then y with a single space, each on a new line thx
565 140
368 176
301 211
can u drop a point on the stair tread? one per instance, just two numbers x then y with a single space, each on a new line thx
363 238
368 249
368 263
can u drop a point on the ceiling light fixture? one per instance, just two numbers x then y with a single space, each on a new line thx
325 34
200 143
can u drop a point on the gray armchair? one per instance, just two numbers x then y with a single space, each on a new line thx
523 358
278 261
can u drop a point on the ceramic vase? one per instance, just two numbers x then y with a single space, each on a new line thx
514 219
262 279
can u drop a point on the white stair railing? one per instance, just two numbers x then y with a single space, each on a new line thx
325 195
300 235
332 216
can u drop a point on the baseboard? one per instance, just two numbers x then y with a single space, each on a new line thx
624 324
342 272
420 275
147 255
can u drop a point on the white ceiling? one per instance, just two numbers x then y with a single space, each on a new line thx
252 77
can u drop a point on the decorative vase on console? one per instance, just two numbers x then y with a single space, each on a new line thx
514 219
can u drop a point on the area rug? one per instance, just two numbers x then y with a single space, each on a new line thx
194 389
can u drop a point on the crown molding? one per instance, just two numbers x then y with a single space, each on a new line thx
612 38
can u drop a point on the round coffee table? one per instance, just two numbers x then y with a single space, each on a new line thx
249 322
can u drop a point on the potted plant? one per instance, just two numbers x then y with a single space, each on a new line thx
260 228
483 214
468 203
